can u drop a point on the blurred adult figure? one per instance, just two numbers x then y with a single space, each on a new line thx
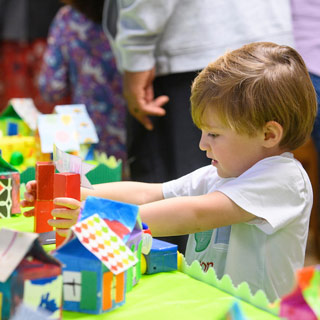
79 62
306 28
160 47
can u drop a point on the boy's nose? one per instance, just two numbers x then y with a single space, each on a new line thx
202 143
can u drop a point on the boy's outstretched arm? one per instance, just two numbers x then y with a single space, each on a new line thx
185 215
130 192
126 191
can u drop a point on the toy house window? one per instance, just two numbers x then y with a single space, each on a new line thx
72 286
81 287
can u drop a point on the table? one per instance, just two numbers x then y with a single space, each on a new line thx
170 295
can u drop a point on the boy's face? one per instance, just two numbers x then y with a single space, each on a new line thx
231 153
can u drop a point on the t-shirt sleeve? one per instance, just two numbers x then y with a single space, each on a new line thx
275 192
140 24
197 182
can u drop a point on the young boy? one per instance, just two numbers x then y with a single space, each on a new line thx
248 213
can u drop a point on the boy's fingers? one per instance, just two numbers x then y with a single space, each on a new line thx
65 213
28 197
31 186
63 232
29 213
67 202
25 204
61 223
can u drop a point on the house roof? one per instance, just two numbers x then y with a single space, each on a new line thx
97 237
14 246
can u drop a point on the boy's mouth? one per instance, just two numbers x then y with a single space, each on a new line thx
214 162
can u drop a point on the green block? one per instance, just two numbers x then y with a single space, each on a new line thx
88 290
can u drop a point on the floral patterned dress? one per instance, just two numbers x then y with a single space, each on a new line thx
79 62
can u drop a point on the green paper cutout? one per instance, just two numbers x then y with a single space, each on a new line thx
102 173
312 293
138 265
202 240
88 290
129 280
105 229
225 284
113 239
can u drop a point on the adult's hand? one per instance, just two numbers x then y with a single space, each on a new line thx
138 91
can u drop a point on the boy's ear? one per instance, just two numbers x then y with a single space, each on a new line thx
273 133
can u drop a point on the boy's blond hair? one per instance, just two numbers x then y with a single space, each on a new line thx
254 84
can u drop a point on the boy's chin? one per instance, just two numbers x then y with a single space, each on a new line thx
224 175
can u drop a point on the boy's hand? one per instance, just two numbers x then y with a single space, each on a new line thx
68 215
29 198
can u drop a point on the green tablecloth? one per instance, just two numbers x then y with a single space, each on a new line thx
171 295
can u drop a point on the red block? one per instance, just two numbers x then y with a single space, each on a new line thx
42 215
45 180
66 184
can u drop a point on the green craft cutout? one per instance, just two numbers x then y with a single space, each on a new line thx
88 290
202 240
312 292
105 229
113 239
242 291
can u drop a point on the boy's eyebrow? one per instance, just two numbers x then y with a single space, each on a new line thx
210 127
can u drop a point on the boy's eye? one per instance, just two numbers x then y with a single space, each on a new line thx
213 135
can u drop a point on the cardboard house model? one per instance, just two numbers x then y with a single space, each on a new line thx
28 275
9 189
303 301
69 127
96 258
19 117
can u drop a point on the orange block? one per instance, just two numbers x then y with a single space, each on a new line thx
45 180
42 215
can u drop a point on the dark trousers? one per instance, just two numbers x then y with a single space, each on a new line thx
171 150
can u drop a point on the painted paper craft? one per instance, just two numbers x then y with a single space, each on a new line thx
122 224
85 127
59 129
9 189
303 301
23 312
28 275
107 246
26 109
5 197
65 162
13 247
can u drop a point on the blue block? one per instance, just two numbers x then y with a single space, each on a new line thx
162 257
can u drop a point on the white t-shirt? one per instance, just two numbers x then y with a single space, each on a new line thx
266 251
